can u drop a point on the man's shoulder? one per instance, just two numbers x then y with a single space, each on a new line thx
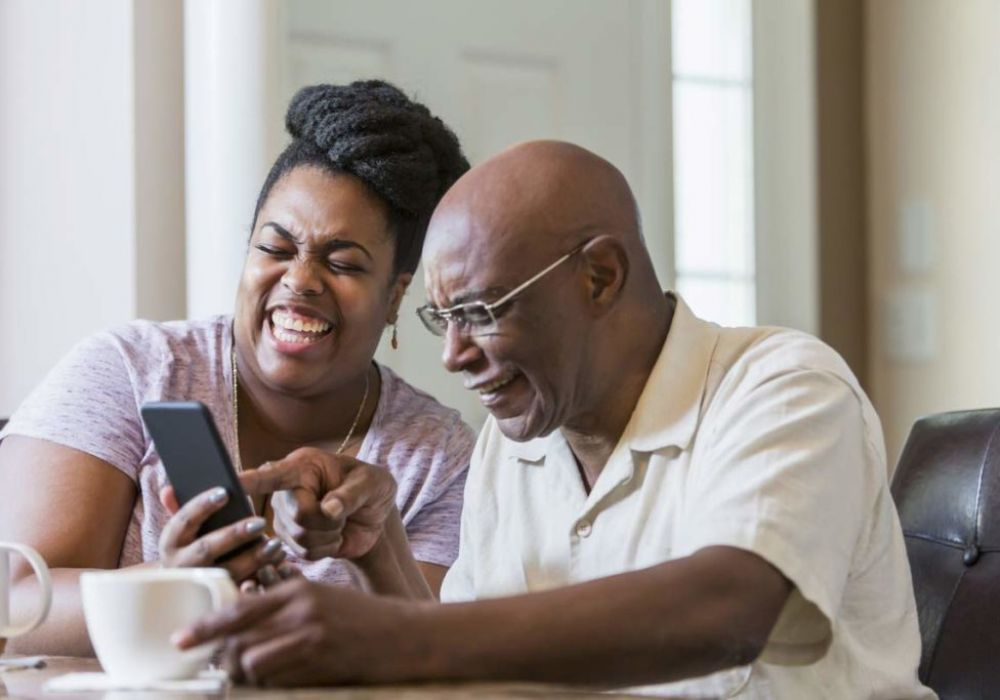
752 364
754 355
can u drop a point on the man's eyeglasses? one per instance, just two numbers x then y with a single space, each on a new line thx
477 318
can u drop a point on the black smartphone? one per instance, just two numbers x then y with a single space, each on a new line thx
196 459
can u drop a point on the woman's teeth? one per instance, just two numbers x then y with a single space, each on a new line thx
295 329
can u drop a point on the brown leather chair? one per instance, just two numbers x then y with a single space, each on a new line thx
947 489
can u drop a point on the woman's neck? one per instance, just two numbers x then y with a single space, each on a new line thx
275 423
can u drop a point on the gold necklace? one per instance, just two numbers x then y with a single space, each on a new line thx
236 409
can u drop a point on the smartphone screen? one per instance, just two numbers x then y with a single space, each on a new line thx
195 457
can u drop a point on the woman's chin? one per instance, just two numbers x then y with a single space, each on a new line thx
291 384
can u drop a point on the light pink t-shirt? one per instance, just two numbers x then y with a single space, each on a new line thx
90 401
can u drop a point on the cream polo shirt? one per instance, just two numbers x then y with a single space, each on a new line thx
757 438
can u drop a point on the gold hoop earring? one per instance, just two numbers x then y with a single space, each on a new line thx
394 341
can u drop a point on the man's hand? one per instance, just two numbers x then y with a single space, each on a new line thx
325 505
302 633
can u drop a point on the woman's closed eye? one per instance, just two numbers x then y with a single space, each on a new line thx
274 251
343 268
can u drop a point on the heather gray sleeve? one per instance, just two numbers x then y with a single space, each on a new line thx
433 532
87 402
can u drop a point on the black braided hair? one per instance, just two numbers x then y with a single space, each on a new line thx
370 129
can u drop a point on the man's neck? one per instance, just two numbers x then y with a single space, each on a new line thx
594 435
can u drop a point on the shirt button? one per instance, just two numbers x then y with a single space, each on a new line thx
583 528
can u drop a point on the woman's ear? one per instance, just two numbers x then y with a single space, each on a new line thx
606 265
398 291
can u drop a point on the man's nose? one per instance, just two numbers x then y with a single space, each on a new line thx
459 350
301 278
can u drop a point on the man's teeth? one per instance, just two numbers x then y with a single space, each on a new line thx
493 386
284 320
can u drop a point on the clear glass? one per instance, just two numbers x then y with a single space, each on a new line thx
726 301
712 39
713 179
714 236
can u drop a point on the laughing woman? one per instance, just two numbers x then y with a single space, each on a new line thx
337 233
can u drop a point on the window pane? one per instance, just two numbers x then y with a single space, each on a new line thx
713 179
726 302
711 38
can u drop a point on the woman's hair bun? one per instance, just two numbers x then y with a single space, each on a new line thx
371 129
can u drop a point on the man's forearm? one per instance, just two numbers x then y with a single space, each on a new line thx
672 621
390 568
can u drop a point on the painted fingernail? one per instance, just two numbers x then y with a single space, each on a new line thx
271 547
256 525
217 495
181 639
267 576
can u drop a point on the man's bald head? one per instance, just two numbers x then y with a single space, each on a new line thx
536 197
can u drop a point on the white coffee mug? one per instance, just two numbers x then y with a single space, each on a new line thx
131 616
8 630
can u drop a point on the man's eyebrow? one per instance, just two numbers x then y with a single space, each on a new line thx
330 246
475 295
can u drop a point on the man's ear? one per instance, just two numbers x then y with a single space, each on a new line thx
399 287
606 266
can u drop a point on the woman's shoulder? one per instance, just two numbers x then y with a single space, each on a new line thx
425 444
144 335
157 358
414 412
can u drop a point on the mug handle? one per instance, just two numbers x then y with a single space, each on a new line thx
42 574
222 590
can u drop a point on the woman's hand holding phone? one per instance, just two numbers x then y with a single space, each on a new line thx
180 545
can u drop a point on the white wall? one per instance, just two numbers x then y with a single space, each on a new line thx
933 109
785 180
89 212
233 120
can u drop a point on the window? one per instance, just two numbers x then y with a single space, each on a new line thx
713 158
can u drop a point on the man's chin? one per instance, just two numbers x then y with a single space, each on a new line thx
522 428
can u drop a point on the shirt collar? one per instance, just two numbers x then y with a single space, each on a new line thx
668 409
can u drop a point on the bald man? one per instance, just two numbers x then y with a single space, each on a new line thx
654 499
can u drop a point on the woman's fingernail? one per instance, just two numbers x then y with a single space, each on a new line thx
271 547
218 495
256 525
180 639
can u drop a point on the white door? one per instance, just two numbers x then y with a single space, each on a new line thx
498 72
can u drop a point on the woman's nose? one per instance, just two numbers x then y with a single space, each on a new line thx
301 279
459 349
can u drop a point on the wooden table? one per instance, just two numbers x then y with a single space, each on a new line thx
28 684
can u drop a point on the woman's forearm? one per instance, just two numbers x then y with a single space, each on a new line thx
389 568
64 632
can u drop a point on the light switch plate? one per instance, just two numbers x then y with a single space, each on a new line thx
910 324
915 237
